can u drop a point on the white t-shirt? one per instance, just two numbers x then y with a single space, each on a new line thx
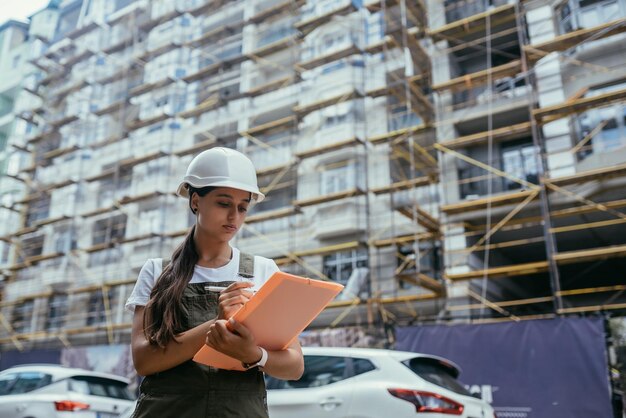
151 270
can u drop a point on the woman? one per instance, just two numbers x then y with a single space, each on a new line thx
176 312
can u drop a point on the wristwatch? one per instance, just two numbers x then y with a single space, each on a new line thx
260 363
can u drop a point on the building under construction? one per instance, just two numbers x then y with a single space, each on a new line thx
448 161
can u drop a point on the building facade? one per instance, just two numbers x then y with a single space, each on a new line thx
446 161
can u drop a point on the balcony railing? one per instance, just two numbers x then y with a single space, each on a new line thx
505 88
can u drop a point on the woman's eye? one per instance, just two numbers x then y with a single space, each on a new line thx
242 209
223 204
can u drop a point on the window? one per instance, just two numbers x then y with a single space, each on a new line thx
361 365
281 194
6 383
613 133
57 309
436 372
579 14
162 101
109 186
22 316
335 120
67 20
401 118
110 229
65 242
333 66
338 177
38 210
29 381
98 386
611 122
96 309
429 262
323 370
104 257
565 13
595 12
519 161
318 371
4 253
274 35
339 266
31 247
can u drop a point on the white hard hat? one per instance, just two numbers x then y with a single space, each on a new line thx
221 167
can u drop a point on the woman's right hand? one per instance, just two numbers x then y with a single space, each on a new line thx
232 298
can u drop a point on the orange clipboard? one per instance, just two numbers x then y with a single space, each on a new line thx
282 308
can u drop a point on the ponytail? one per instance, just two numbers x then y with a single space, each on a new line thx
163 316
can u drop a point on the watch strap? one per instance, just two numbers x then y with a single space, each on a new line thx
260 363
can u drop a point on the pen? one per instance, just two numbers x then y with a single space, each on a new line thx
218 289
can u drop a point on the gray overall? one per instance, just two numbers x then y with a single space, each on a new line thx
192 390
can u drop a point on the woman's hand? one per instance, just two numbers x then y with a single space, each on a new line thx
234 340
232 298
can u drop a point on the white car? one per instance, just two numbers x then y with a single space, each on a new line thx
373 383
53 391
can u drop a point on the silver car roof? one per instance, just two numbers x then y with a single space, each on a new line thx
377 352
59 372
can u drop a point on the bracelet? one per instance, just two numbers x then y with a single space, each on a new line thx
260 363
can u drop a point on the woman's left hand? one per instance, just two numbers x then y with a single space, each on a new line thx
234 340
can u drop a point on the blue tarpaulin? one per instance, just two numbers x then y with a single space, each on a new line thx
14 358
553 368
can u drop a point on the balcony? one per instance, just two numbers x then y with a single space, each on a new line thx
266 9
209 60
270 237
582 32
341 218
271 150
316 14
457 10
519 162
507 95
600 133
273 36
574 16
401 119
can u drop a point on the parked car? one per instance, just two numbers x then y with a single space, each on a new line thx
54 391
128 413
372 383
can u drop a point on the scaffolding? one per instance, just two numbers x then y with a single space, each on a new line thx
411 150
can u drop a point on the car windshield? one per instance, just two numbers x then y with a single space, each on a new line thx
100 386
436 372
23 382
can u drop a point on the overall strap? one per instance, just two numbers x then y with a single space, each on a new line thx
246 265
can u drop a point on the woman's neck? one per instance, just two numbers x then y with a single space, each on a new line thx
211 253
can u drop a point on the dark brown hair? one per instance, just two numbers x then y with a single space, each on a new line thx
163 317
